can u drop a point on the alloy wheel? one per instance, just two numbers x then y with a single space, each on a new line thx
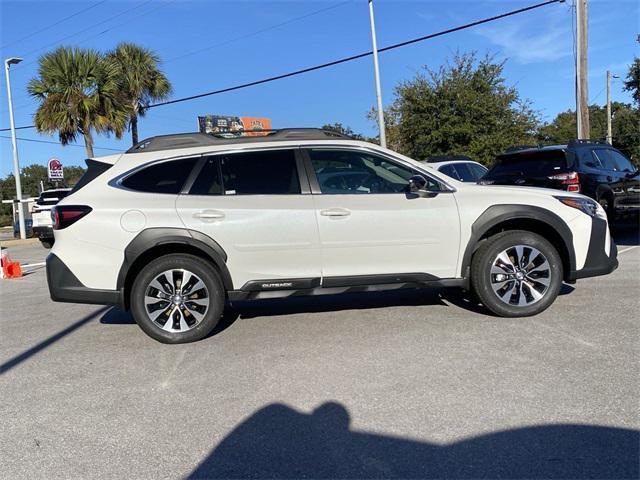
176 300
520 275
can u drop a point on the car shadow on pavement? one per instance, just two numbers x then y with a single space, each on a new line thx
337 302
18 359
280 442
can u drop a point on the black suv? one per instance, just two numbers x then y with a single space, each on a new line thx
594 169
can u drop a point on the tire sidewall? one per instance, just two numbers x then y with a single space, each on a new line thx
178 261
481 272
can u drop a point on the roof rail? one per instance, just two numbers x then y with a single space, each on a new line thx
582 141
516 148
447 158
198 139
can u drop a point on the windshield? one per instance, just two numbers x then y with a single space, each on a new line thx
530 164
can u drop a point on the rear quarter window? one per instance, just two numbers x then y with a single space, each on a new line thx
165 177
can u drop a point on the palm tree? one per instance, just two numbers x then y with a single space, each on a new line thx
78 93
140 80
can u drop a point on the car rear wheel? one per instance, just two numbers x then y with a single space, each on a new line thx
516 274
177 298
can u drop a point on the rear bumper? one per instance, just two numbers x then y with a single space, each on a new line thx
598 262
43 232
64 286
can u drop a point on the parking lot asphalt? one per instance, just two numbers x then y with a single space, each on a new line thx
412 384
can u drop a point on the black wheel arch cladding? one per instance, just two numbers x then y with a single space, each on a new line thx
154 239
496 215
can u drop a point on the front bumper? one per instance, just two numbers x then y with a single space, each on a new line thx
598 262
64 286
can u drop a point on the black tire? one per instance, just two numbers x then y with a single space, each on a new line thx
481 276
195 265
47 243
606 202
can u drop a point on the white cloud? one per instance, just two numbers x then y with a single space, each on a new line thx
530 42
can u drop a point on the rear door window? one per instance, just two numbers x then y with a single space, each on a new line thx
209 180
271 172
165 177
529 164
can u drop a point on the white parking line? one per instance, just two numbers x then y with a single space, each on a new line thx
627 249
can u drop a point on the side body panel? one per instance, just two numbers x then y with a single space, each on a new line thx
388 233
264 236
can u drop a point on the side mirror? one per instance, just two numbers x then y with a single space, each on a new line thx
632 174
418 186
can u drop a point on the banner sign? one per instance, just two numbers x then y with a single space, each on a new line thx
55 170
230 126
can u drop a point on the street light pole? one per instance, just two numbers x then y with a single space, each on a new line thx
609 117
376 68
14 143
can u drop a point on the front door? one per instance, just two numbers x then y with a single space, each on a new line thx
370 225
253 205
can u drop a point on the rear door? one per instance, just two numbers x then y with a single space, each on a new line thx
258 207
370 225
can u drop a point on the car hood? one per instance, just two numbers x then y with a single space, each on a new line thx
500 190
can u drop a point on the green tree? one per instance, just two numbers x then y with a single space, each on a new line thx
78 94
632 84
139 79
338 127
464 107
625 127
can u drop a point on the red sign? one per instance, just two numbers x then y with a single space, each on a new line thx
55 170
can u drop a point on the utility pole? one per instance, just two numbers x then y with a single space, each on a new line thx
582 89
609 114
16 164
376 69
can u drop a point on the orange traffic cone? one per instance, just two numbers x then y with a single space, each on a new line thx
10 269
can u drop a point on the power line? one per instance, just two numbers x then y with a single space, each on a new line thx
54 24
75 34
168 2
358 56
57 143
257 32
346 59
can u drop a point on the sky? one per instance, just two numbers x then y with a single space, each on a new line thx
207 45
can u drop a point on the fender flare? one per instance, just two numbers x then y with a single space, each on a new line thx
154 237
498 214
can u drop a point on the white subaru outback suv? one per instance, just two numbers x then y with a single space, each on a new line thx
180 224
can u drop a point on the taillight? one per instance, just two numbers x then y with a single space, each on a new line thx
570 179
65 215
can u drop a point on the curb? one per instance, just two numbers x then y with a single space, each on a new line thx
15 243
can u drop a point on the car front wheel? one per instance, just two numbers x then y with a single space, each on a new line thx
516 273
177 298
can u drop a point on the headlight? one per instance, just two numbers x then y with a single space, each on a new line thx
586 205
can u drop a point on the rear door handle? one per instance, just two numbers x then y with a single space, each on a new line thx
335 212
209 215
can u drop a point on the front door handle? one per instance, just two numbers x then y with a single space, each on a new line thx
209 215
335 212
